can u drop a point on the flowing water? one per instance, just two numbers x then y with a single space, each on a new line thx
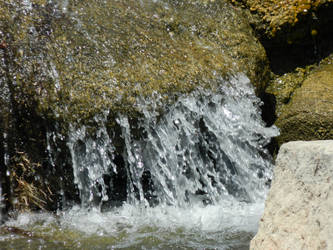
190 172
195 177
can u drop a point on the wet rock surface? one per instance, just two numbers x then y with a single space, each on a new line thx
64 62
298 210
305 104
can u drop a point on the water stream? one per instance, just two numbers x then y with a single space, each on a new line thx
196 176
187 172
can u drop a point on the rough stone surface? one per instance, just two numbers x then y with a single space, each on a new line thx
309 113
277 14
62 58
299 208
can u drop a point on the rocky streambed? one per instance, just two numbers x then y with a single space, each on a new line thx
77 75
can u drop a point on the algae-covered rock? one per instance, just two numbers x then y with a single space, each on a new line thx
63 62
283 87
278 14
72 55
309 113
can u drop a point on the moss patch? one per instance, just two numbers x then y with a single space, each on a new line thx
77 60
309 113
281 13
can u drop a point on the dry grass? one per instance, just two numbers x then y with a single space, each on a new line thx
29 192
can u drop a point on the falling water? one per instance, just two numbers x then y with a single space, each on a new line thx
91 158
195 172
208 147
208 174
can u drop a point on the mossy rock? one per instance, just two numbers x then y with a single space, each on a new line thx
73 61
278 14
283 87
63 63
309 114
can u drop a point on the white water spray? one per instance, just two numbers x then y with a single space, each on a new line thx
207 170
208 147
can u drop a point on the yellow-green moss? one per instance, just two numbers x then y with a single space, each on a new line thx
104 55
278 13
308 112
284 86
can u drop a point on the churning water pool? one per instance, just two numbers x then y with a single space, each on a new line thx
228 225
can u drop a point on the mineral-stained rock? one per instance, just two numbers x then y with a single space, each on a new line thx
309 113
299 208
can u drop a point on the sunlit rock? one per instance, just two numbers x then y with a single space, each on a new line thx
308 112
298 211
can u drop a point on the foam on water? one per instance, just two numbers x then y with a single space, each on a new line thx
221 226
208 173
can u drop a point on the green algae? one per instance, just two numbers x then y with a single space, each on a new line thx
103 56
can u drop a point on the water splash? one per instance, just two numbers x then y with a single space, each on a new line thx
207 169
92 157
225 225
206 147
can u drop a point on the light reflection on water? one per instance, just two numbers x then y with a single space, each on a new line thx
230 225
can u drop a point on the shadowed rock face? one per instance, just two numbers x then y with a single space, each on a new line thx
294 33
62 62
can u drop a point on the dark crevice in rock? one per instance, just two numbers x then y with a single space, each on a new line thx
268 108
308 42
116 185
268 115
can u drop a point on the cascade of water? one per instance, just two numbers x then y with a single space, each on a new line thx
3 174
134 163
92 157
208 146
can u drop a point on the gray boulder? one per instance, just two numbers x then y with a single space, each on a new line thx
299 208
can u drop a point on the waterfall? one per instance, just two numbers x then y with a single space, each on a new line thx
184 169
192 172
206 147
91 159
